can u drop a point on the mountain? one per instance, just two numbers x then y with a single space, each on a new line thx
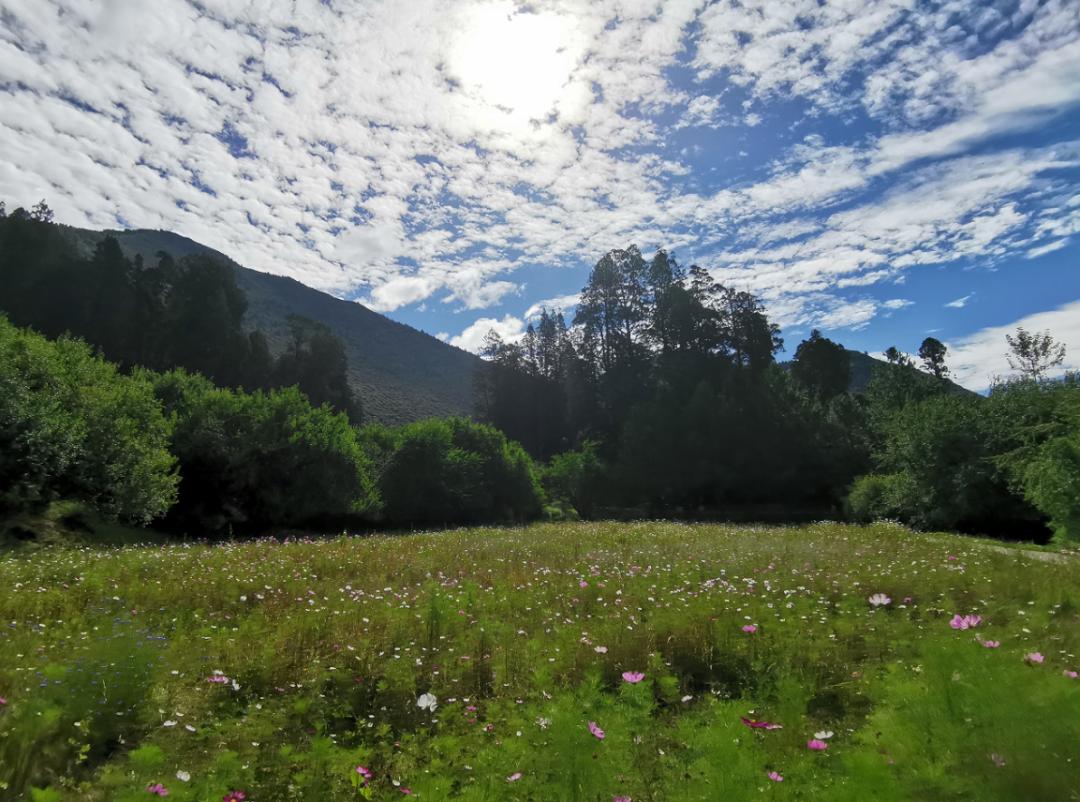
862 370
862 367
401 374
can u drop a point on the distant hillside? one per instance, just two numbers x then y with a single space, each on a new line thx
401 374
862 369
862 366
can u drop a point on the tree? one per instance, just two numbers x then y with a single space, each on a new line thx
452 471
72 426
1033 354
932 353
315 361
894 356
41 212
260 459
612 310
751 338
822 366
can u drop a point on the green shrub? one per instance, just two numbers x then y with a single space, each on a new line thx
1051 482
72 426
874 497
453 471
576 477
261 458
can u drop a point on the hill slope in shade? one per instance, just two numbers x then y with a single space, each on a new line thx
400 373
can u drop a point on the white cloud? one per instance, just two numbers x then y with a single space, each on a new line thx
564 304
510 329
959 303
975 360
397 150
398 292
1049 247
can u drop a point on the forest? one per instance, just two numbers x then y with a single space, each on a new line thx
137 389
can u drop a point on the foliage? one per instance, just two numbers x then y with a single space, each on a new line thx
822 366
932 353
315 362
1034 353
874 497
1043 456
945 447
576 477
324 649
72 426
251 459
452 471
186 313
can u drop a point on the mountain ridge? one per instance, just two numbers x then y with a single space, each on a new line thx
400 373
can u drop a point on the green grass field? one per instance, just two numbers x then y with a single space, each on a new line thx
647 661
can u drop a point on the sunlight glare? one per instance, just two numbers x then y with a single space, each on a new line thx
517 61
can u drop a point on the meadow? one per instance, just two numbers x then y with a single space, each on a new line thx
607 662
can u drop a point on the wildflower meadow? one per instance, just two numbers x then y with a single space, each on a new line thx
613 662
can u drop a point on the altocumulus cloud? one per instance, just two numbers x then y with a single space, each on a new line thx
395 152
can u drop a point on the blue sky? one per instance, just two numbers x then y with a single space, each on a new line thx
879 170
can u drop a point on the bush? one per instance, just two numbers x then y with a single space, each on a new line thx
576 477
452 471
874 497
250 459
72 426
1051 482
947 449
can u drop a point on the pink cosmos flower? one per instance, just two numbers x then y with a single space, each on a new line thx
1070 674
234 796
750 628
621 799
3 701
990 644
406 791
1034 658
754 724
158 789
595 730
633 677
775 776
364 772
583 584
965 621
816 745
513 778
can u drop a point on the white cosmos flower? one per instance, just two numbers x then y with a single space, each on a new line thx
824 735
427 702
879 600
183 776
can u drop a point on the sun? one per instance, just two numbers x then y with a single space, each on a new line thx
517 61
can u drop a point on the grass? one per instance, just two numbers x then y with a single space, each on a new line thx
108 661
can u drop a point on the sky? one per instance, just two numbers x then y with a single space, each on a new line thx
881 170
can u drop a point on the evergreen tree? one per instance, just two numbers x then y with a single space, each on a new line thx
822 366
932 353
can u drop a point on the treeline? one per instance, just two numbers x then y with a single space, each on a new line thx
672 381
1007 464
663 397
203 460
185 313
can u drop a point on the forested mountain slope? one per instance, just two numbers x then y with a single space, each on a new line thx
400 373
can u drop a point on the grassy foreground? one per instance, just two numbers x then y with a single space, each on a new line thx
599 662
